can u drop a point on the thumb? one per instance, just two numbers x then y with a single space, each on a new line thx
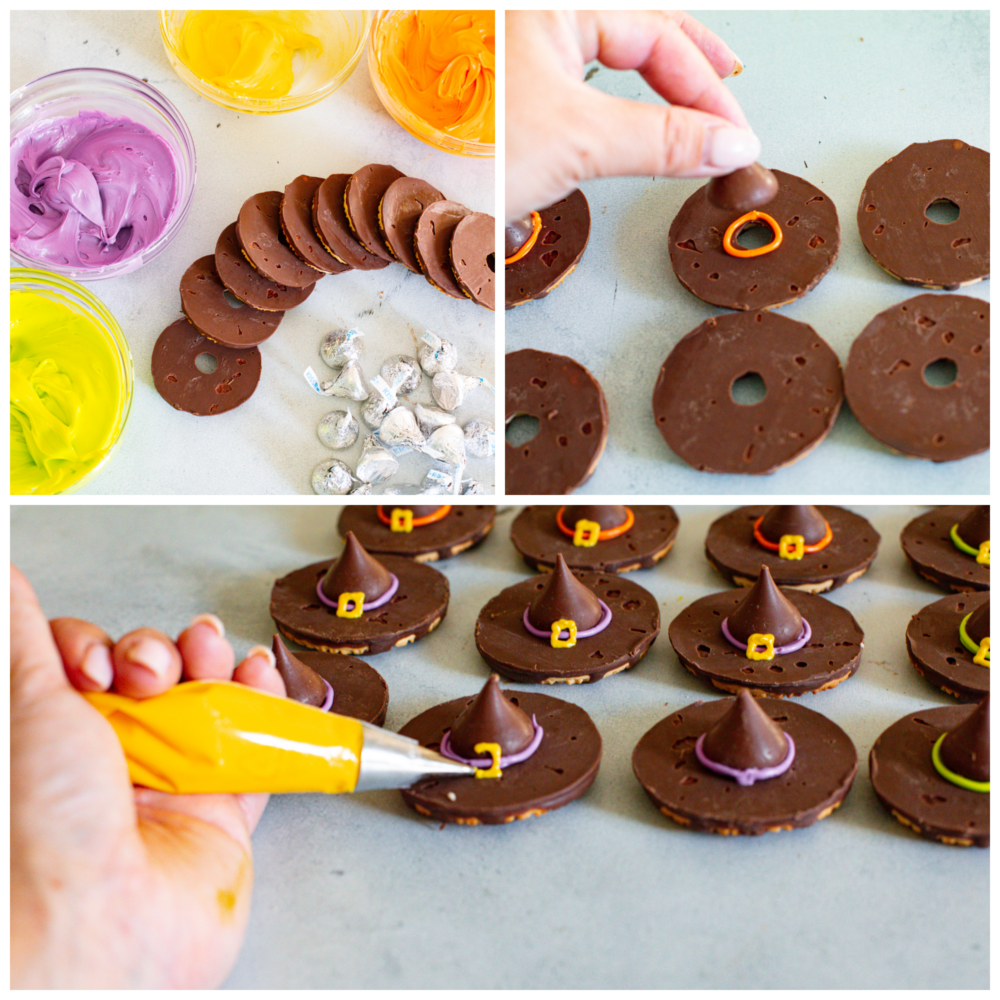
637 138
35 665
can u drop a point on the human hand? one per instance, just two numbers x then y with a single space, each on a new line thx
114 886
561 131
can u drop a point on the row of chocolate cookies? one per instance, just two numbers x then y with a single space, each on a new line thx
282 243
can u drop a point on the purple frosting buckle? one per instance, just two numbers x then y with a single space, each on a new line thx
369 605
328 700
792 647
515 758
585 634
751 774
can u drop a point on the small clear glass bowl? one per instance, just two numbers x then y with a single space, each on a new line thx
310 90
64 95
79 300
413 124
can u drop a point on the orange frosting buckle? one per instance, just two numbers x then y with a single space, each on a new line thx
536 228
753 216
793 550
402 518
586 535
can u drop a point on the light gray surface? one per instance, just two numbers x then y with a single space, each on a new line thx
832 95
356 892
269 444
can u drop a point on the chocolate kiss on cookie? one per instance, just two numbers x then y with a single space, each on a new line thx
766 610
966 748
302 683
974 528
491 718
977 627
746 736
742 190
356 571
607 515
516 234
793 519
564 597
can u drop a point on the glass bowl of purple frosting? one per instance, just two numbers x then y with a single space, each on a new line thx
102 173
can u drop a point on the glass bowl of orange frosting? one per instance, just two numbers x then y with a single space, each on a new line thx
264 61
435 72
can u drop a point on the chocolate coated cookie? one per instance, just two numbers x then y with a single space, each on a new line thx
462 528
258 229
698 417
561 769
432 243
907 784
731 548
359 691
831 655
886 383
937 652
203 299
297 226
332 227
178 380
362 198
573 422
903 240
417 608
687 792
809 246
402 204
558 249
537 536
247 283
473 257
927 543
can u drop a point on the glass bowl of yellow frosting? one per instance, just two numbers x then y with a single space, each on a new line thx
266 62
70 383
435 72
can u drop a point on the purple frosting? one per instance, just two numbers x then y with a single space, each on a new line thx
746 776
796 644
368 605
585 634
515 758
90 190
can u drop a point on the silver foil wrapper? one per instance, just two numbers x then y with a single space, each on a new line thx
341 346
447 444
338 429
442 359
449 389
350 383
399 430
332 478
430 418
402 373
480 438
376 463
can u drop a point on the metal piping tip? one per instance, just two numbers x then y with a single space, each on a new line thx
389 760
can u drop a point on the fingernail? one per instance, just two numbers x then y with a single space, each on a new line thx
731 148
211 620
97 667
739 65
152 655
262 651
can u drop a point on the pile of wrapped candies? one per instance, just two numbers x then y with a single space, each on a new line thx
396 428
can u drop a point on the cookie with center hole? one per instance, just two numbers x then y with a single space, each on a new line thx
402 205
472 253
179 381
700 419
258 229
432 242
572 414
918 377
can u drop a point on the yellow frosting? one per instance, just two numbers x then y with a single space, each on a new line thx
247 53
217 736
441 66
65 394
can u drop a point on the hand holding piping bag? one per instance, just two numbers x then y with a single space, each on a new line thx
561 131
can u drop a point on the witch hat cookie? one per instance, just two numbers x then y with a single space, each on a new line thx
809 548
948 643
950 546
567 626
301 682
359 604
532 752
425 533
787 642
931 771
608 538
745 766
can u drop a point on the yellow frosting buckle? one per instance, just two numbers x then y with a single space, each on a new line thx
764 639
401 520
983 656
791 547
557 628
983 556
586 534
356 599
493 749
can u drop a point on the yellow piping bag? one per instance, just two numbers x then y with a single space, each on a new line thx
219 736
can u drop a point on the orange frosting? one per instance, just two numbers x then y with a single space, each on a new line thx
441 66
